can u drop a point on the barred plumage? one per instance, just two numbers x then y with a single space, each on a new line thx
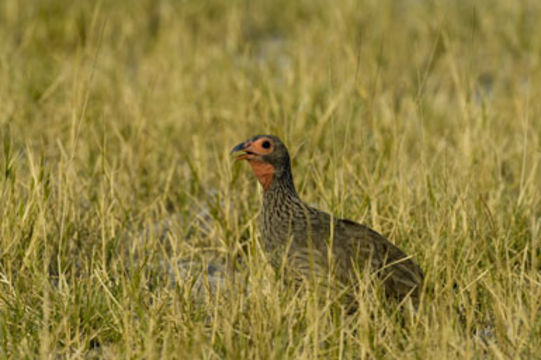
304 236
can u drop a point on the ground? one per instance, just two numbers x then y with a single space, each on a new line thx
127 230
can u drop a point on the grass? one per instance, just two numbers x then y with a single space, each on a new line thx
418 118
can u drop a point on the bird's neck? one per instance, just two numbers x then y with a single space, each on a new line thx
282 191
264 172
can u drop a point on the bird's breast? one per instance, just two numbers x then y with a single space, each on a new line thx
282 223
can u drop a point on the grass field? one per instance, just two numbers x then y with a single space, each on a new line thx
419 118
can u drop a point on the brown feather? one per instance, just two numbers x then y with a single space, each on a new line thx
303 236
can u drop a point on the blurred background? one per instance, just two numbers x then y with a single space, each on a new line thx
155 81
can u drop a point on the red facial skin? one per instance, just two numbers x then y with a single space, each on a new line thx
254 152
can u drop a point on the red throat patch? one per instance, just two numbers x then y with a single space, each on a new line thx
264 172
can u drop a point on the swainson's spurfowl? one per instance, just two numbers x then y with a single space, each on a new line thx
305 236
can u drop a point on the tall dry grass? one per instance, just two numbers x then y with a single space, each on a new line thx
418 118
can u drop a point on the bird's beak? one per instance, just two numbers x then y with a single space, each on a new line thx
244 146
238 148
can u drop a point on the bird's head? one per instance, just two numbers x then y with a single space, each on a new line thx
268 157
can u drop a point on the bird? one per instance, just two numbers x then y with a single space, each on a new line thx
300 237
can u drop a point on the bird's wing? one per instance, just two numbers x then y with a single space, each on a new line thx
401 275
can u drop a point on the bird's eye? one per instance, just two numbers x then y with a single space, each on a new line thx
266 144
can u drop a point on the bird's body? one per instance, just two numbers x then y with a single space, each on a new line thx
305 237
